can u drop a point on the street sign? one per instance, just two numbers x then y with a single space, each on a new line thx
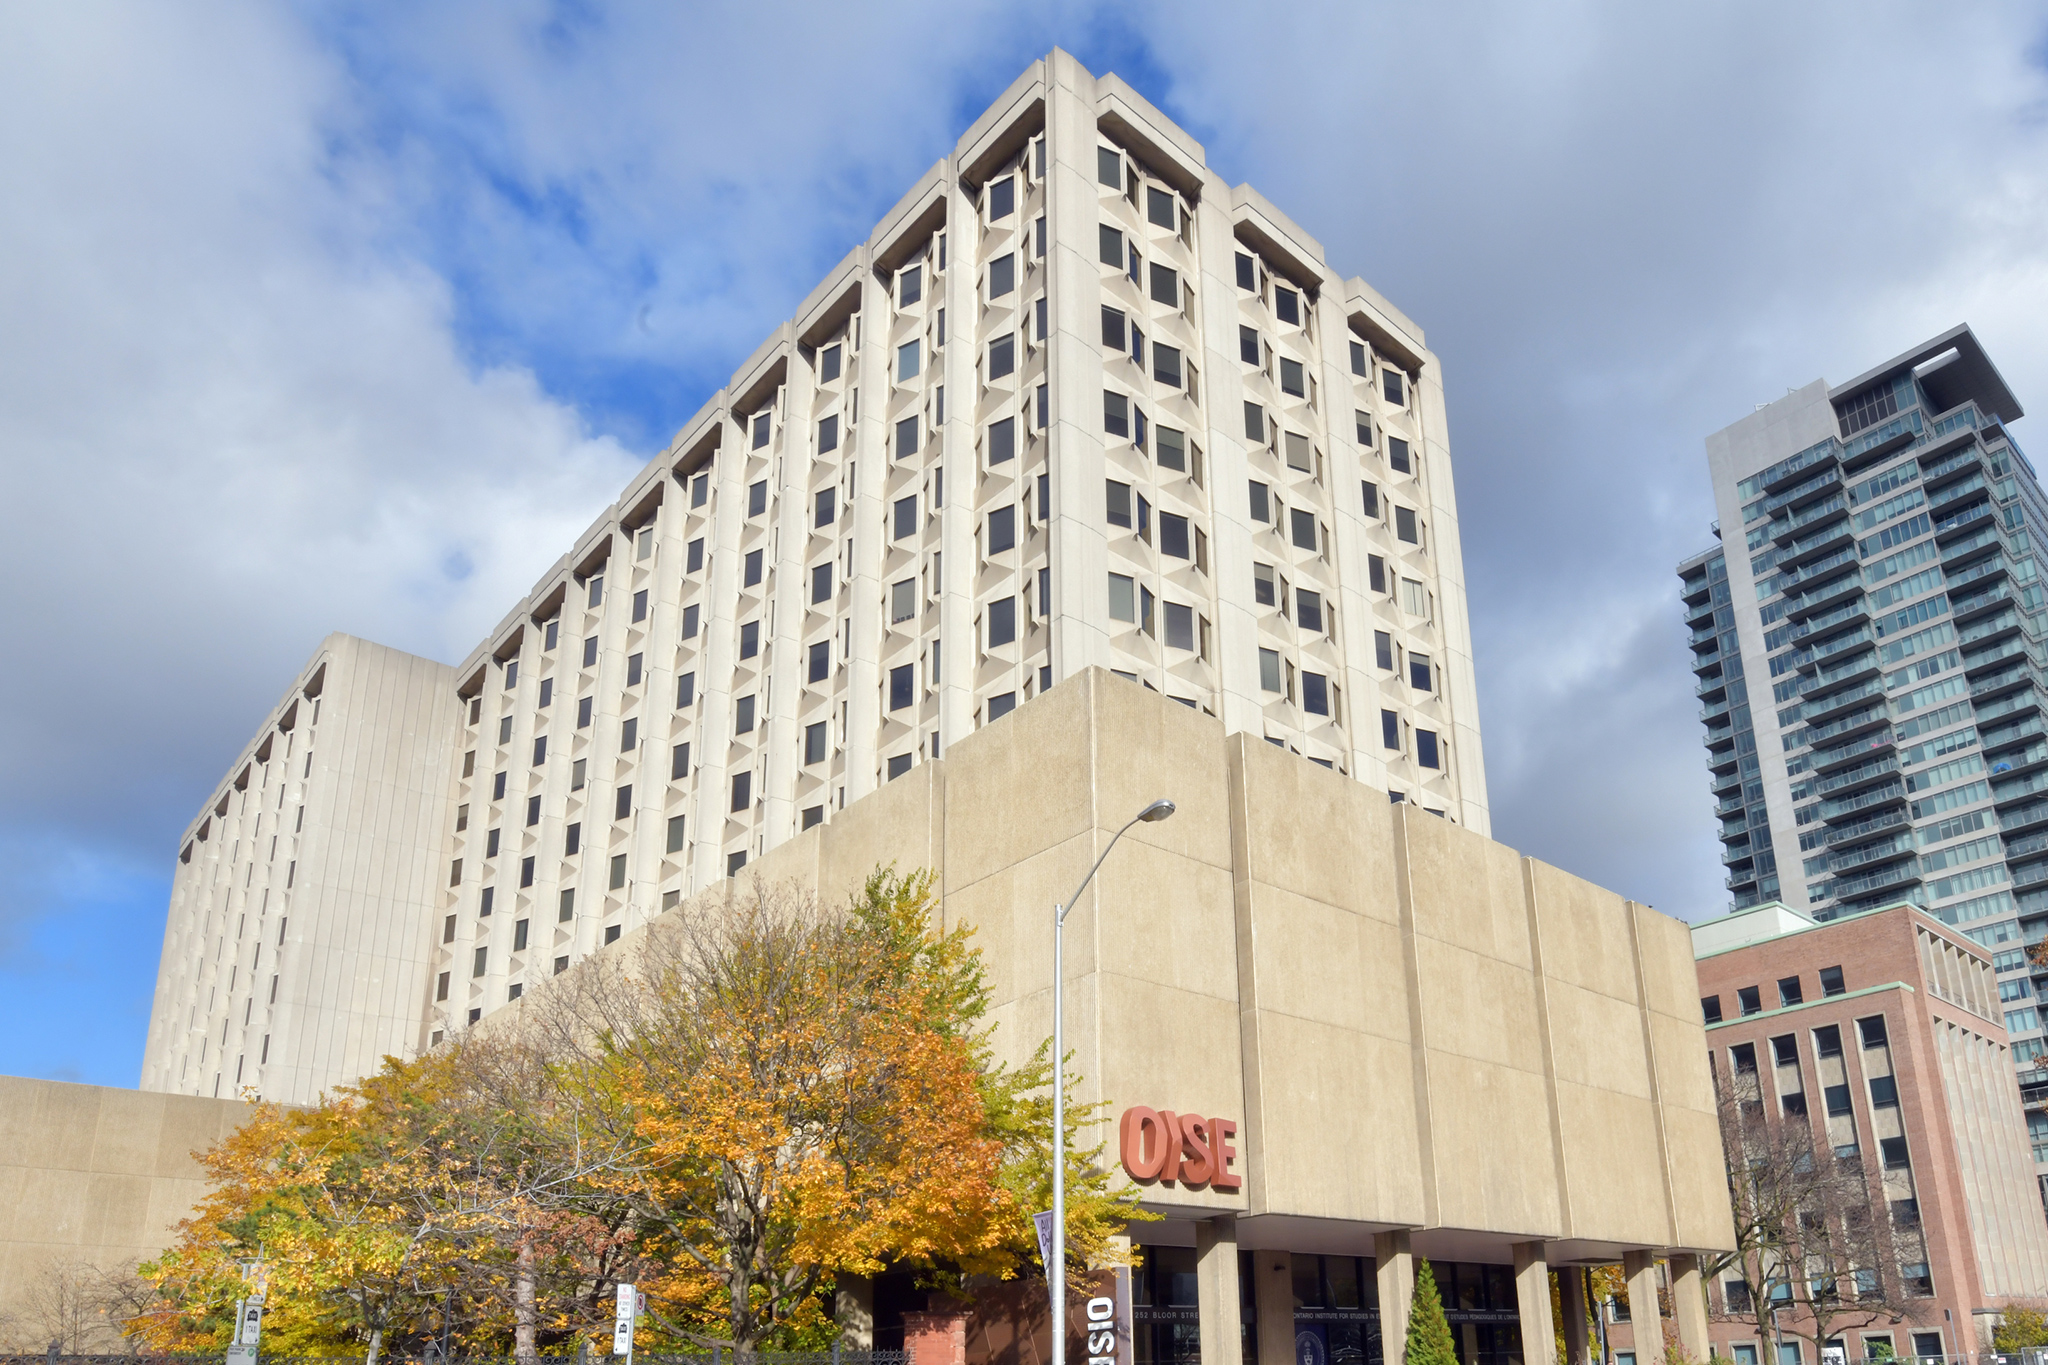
622 1324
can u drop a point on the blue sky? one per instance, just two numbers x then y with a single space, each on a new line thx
349 317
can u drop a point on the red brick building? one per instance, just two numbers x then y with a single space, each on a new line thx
1883 1032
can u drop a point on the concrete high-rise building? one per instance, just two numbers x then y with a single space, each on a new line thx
1872 661
1178 446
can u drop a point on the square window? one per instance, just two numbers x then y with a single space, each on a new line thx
1300 454
1884 1090
743 715
757 497
695 556
1831 981
821 583
498 787
1308 609
700 490
1113 329
633 670
1371 493
1303 524
483 907
1002 529
596 597
547 692
611 932
1261 502
904 520
1390 730
1002 621
690 615
1180 626
1397 454
908 357
1263 585
1418 673
491 844
1789 992
1269 670
814 743
1872 1031
1002 198
1749 999
448 930
1002 440
1002 356
1161 209
1287 306
828 434
1001 704
1393 388
902 686
1710 1008
1315 694
505 730
1002 275
590 652
751 574
1166 365
675 834
1119 503
910 286
561 965
1109 246
622 805
827 508
1414 597
906 438
480 962
750 639
763 425
902 600
1165 285
576 771
899 764
815 815
1425 748
686 690
1894 1150
828 363
1116 410
1247 273
519 936
1291 380
679 762
618 871
821 661
1247 344
1109 167
572 840
1172 448
1404 525
1122 598
1359 365
533 810
742 791
1254 423
640 605
1173 535
1364 429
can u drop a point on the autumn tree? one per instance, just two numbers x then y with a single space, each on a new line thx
2020 1327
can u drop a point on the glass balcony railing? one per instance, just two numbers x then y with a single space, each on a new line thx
1786 468
1843 725
1907 423
1863 857
1846 834
1961 418
1829 477
1864 800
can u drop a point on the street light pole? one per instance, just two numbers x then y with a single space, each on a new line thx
1056 1270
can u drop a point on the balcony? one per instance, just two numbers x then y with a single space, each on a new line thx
1999 654
1962 417
1709 688
1949 501
1804 491
1855 751
1848 611
1714 712
1862 775
1890 794
1697 612
1835 508
2030 781
1838 835
1711 658
1779 475
1827 708
2015 731
2013 675
2018 702
1703 635
1992 567
1899 845
1963 522
2030 817
1837 647
1820 542
1986 628
1860 663
1969 458
1826 595
1847 725
1955 553
1879 442
1989 597
1883 878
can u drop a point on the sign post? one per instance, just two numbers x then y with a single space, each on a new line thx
248 1330
622 1323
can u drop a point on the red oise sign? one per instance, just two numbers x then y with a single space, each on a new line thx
1162 1145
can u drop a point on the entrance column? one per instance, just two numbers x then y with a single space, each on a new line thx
1578 1346
1216 1291
1645 1324
1273 1295
1689 1306
1532 1301
1396 1267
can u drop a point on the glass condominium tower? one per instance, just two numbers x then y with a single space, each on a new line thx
1868 637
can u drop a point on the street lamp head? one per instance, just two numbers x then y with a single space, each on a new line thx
1157 811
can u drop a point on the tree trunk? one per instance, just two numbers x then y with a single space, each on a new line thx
523 1317
376 1345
